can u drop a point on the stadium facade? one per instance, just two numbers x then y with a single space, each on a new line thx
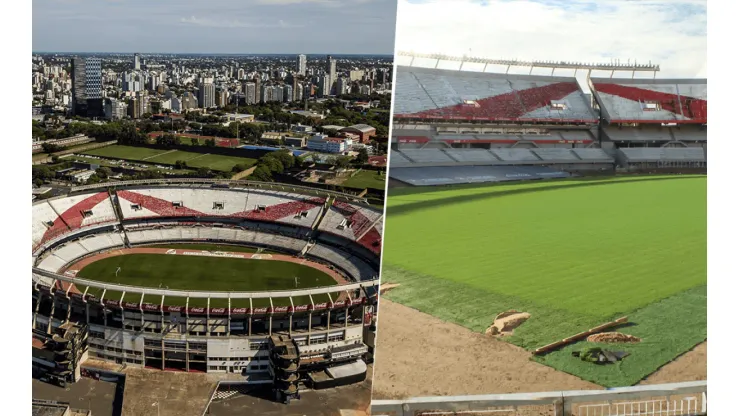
456 126
318 335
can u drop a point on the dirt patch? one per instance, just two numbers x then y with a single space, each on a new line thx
505 323
387 286
413 359
691 366
613 337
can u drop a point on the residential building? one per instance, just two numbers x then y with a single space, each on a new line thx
115 109
325 144
301 65
207 95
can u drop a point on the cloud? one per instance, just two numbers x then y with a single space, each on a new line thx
671 33
227 24
193 26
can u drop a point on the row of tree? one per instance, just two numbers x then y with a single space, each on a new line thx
273 162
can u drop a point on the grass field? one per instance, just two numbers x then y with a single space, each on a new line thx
205 273
366 179
573 253
159 156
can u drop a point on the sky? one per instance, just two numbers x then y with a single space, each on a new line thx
669 33
215 26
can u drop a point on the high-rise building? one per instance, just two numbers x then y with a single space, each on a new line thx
250 94
240 73
222 98
331 69
207 95
257 90
137 62
79 100
115 109
342 85
356 75
301 65
325 85
296 90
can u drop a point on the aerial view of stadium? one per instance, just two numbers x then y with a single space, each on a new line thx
542 236
265 284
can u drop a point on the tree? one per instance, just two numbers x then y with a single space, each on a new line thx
239 168
261 173
93 179
194 141
42 173
362 156
167 140
181 164
50 148
342 161
104 172
285 157
203 172
210 142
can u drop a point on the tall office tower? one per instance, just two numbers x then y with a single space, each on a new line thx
278 93
257 90
240 73
307 91
331 69
222 98
296 90
301 65
153 82
342 85
79 100
137 62
288 93
325 85
249 93
207 95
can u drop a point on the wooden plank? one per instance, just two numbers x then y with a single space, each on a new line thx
580 335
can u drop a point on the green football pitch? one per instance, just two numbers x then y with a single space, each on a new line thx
202 273
572 253
159 156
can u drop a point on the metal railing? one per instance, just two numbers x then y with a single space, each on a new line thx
675 399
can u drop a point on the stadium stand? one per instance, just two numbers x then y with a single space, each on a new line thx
471 155
427 176
57 216
252 204
593 154
651 101
426 93
657 154
515 155
555 155
426 155
653 134
354 222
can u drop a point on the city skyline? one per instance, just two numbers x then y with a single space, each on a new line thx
221 27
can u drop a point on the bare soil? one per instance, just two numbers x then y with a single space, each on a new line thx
420 355
613 337
505 323
690 366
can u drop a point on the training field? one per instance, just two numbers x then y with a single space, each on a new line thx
159 156
239 272
366 179
572 253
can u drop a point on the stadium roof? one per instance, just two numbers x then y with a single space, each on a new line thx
360 127
426 93
651 100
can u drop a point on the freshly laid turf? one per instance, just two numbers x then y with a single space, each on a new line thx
366 179
204 273
159 156
573 254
